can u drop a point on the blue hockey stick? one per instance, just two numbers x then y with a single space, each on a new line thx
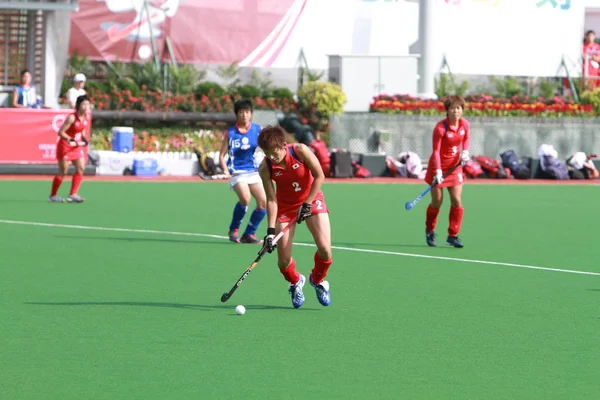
410 204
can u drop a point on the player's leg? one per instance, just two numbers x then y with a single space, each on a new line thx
437 197
63 168
258 192
242 191
320 228
287 264
456 215
74 197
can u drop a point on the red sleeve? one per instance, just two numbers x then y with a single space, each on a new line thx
466 145
438 134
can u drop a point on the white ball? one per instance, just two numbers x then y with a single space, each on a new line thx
144 52
240 310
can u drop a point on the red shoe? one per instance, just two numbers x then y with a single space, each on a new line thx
234 235
250 239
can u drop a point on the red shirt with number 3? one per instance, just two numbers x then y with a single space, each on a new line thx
448 142
292 186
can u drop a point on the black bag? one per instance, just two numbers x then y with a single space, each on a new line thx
206 163
577 174
517 167
341 164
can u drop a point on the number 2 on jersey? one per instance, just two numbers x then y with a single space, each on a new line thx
296 186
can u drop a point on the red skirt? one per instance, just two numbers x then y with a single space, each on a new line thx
457 177
64 151
287 212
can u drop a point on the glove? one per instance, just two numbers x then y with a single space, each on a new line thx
84 140
464 157
304 212
438 178
72 142
268 244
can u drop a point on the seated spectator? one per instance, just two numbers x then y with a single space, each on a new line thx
77 90
412 164
581 166
24 95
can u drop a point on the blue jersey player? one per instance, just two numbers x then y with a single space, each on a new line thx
239 144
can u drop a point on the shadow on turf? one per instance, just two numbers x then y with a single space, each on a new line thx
130 239
221 242
394 245
164 305
42 200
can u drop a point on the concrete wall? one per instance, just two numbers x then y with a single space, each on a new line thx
56 54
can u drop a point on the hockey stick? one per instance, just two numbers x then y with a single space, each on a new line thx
410 204
261 253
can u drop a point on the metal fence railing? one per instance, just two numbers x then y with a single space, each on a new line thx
393 133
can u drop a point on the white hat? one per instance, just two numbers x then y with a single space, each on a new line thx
79 78
578 159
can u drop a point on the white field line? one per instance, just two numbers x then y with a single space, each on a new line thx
391 253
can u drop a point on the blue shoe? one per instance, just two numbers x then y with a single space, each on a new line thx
322 290
454 241
430 238
296 292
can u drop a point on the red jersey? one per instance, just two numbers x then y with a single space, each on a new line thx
293 182
64 151
448 143
589 50
78 127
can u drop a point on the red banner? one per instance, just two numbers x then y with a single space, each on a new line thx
29 136
251 32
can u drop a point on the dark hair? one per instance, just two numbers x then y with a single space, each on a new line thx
242 104
25 71
271 136
590 32
80 100
454 100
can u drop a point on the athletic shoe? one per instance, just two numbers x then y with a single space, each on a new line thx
75 198
430 237
250 239
454 241
296 292
55 199
322 290
234 235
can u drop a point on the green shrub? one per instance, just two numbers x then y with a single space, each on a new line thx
184 80
148 75
325 98
592 98
282 93
127 84
248 91
209 89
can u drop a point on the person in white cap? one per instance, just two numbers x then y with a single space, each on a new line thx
77 90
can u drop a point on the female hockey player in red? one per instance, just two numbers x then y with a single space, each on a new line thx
450 147
70 149
298 177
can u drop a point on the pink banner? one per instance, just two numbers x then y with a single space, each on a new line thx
29 136
200 31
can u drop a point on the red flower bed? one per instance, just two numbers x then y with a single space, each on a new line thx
484 105
158 101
